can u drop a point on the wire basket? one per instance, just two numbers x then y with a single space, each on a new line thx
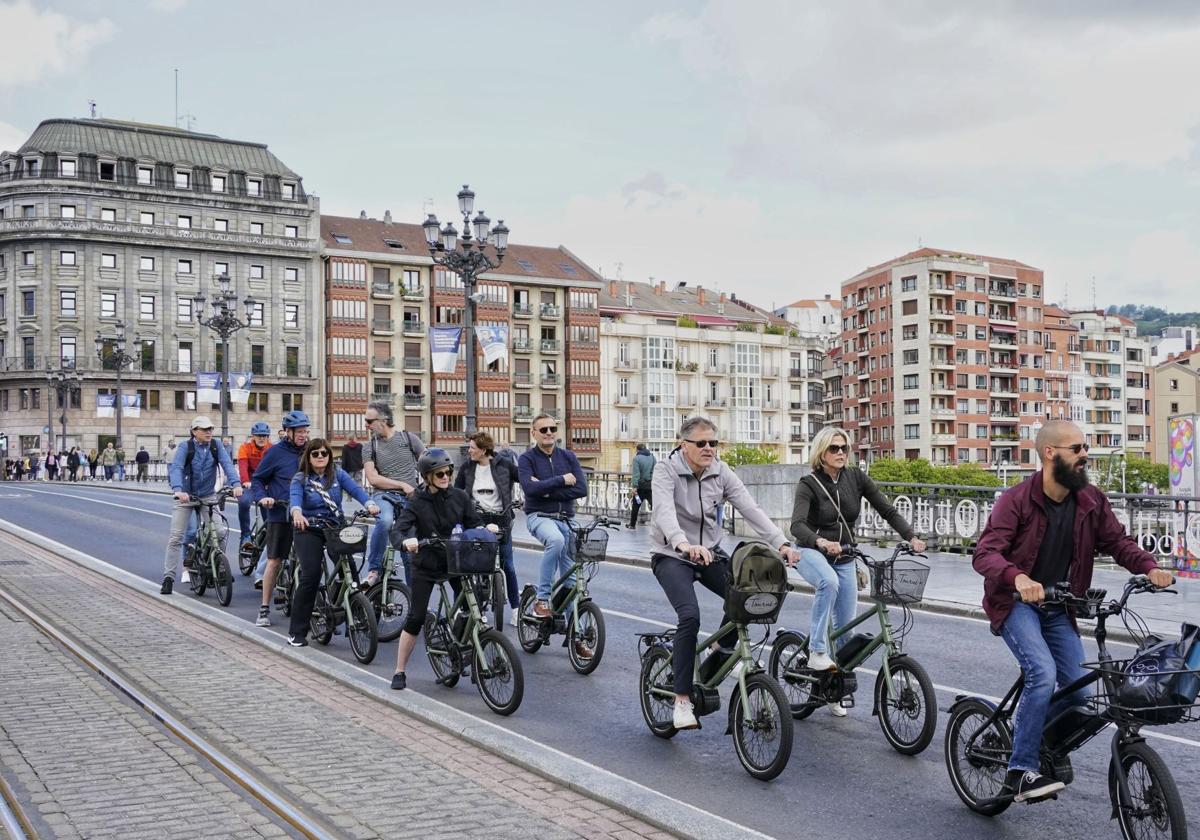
900 581
594 547
1110 693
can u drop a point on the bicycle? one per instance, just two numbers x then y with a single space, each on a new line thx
250 550
495 595
339 600
390 599
574 614
205 558
465 642
1144 796
904 698
758 714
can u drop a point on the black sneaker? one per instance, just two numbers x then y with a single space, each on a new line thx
399 681
1031 786
297 641
168 585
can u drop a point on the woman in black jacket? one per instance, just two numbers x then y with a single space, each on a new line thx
492 494
433 511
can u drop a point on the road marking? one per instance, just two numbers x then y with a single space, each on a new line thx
101 502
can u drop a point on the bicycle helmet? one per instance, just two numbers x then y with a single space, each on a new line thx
260 428
295 420
433 459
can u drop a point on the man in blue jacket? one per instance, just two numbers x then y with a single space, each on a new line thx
552 480
193 476
272 480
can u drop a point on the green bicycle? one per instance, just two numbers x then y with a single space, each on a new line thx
205 558
390 598
339 600
252 548
904 699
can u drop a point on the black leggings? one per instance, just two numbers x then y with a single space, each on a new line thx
423 582
310 556
678 580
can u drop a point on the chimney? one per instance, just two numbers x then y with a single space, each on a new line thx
387 217
722 300
612 288
662 287
700 299
827 297
629 295
362 214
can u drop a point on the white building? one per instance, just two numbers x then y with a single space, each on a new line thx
1174 341
820 318
1116 405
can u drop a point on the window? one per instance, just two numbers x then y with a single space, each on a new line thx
108 304
146 307
1173 384
253 186
148 356
220 268
66 258
67 211
145 263
908 307
28 211
291 274
66 168
185 358
256 314
218 183
108 260
183 180
221 225
909 332
27 303
912 431
183 222
256 228
291 315
257 354
185 400
108 172
27 258
145 218
910 381
291 231
183 267
66 303
256 272
910 357
342 239
289 191
183 310
145 175
908 284
108 214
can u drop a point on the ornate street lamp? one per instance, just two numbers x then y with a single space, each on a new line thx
112 355
224 322
467 258
66 382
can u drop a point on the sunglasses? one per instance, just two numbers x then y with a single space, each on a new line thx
1076 447
545 430
446 473
703 444
319 453
371 420
838 448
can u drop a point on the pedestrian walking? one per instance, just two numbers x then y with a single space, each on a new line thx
142 459
73 461
643 473
93 461
108 460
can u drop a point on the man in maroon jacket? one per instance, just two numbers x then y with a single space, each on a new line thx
1044 531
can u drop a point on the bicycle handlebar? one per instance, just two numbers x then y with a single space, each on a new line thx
1092 604
221 496
598 521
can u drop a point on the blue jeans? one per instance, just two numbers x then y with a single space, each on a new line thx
1049 651
510 571
388 502
244 505
837 594
556 556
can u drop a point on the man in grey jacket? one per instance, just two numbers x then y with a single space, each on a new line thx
690 486
643 475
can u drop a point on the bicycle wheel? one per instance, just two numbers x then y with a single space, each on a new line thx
529 629
656 690
499 598
442 652
223 580
322 625
283 583
978 775
789 657
909 719
763 742
585 639
391 608
361 629
248 553
1154 807
498 672
199 574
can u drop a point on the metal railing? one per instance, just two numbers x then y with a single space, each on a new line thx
550 346
383 325
380 287
523 309
549 310
270 189
410 326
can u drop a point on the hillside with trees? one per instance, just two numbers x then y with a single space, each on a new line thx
1151 320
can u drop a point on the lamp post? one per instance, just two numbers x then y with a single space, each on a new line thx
66 382
224 323
467 258
112 355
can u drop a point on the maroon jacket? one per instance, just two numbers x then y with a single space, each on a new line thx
1014 531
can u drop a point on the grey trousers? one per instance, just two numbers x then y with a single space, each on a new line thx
181 517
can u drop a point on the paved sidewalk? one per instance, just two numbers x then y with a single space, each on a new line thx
370 769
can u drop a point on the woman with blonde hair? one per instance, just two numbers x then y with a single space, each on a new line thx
826 506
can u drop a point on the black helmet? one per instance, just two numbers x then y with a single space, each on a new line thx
433 459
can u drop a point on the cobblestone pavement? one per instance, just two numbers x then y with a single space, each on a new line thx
369 769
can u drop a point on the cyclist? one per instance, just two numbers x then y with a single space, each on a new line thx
315 497
249 455
1047 530
271 481
826 506
390 466
193 474
690 485
432 511
552 480
489 481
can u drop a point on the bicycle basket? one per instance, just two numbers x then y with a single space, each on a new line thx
1140 690
345 539
593 548
473 554
898 582
757 584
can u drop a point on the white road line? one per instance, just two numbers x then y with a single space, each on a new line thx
101 502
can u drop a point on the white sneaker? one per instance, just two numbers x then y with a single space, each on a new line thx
684 716
820 661
838 710
514 616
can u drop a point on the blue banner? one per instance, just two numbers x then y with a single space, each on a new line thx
443 348
106 405
208 387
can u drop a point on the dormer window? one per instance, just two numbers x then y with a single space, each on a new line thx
145 175
108 171
253 186
218 183
183 180
289 192
66 168
33 167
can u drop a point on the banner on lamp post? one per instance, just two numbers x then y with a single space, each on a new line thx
443 348
208 387
131 405
106 405
239 387
494 341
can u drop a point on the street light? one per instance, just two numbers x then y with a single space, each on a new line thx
112 355
467 258
224 323
66 382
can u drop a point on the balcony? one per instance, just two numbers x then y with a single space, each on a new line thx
381 364
383 326
551 380
412 401
627 399
771 405
625 364
89 228
770 372
716 369
411 327
414 293
942 413
941 314
1005 418
939 363
1003 439
1002 291
1000 342
522 310
941 289
1001 388
550 345
387 398
522 380
414 364
797 437
686 401
521 345
712 402
384 290
522 412
550 311
942 389
800 406
1002 367
1002 316
797 373
941 338
942 439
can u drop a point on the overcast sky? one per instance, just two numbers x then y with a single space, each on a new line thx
768 148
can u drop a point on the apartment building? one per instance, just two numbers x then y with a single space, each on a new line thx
1065 385
384 292
943 357
821 318
670 353
1118 386
1174 341
106 224
1176 390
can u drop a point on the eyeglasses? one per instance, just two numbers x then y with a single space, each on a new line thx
545 430
371 420
446 473
204 428
702 444
319 453
838 448
1075 447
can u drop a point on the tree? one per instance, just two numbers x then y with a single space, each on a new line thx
920 471
743 453
1138 473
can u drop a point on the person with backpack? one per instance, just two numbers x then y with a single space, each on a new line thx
391 469
824 509
194 473
641 481
690 486
272 480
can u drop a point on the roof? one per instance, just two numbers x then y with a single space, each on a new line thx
373 236
684 300
116 138
936 253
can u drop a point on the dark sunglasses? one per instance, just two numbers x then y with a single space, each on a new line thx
545 430
319 453
703 444
371 420
838 448
1076 447
446 473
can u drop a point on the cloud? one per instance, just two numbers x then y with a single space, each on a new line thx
11 137
167 5
39 44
